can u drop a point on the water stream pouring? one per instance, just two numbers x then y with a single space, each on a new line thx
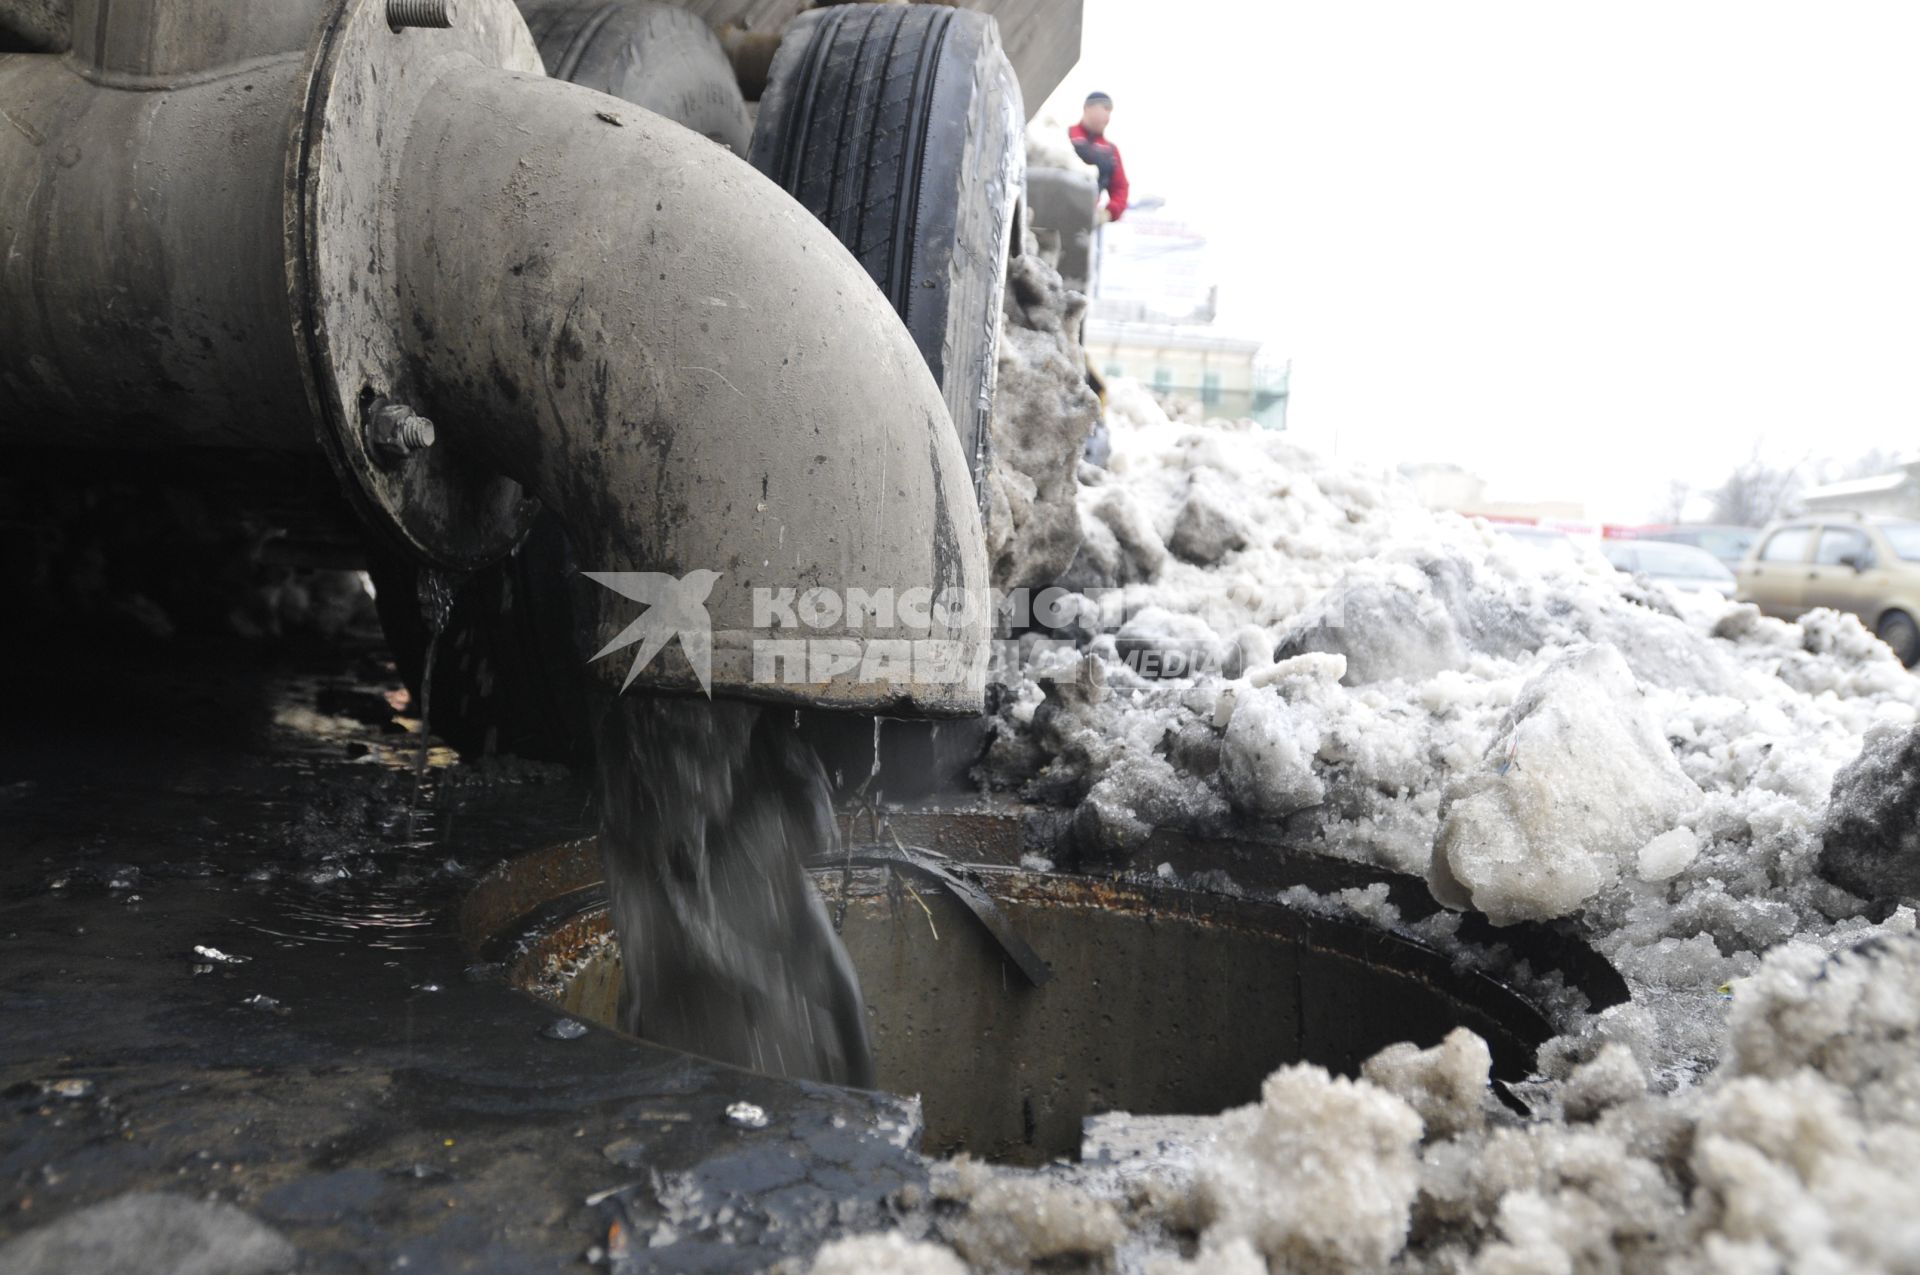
709 810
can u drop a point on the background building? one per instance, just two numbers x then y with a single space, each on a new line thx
1224 374
1155 296
1895 493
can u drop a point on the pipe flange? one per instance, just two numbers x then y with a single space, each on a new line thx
366 80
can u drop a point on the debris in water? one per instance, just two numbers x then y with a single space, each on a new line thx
564 1029
746 1115
68 1087
709 810
260 1000
218 957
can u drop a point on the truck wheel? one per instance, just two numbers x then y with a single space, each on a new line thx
657 56
1897 630
508 673
901 128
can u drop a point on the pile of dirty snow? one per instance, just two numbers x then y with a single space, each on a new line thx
1793 1154
1271 639
1261 638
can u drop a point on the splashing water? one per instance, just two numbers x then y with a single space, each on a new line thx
708 811
436 605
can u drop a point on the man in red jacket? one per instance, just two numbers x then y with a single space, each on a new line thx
1089 138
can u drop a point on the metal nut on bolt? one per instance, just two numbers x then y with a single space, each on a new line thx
395 431
419 13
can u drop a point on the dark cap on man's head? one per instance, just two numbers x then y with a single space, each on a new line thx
1098 97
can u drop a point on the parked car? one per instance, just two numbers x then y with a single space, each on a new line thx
1728 543
1683 566
1868 566
1548 546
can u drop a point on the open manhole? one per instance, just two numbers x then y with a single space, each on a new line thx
1151 999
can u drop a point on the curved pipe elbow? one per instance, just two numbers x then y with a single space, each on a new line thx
696 375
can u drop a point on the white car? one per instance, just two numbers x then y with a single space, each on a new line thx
1681 566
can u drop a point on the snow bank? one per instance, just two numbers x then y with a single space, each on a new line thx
1416 690
1681 776
1722 803
1795 1154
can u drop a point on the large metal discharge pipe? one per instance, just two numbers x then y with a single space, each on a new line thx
591 303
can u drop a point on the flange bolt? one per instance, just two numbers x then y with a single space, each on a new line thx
395 431
419 13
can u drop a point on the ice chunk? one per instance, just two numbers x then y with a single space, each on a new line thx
1609 1078
1320 665
1159 643
1667 854
1023 1221
1870 841
1266 760
1446 1085
889 1254
1206 529
1579 777
1318 1175
1142 551
1390 627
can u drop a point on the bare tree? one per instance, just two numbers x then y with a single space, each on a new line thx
1755 492
1674 507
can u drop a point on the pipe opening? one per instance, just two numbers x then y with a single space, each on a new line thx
1160 1001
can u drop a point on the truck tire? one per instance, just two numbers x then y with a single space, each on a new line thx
509 675
1897 630
656 56
901 128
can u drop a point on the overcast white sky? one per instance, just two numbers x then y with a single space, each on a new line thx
1582 250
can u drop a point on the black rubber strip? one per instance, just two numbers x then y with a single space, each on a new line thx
934 867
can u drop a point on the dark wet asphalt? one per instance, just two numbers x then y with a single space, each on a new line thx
353 1082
